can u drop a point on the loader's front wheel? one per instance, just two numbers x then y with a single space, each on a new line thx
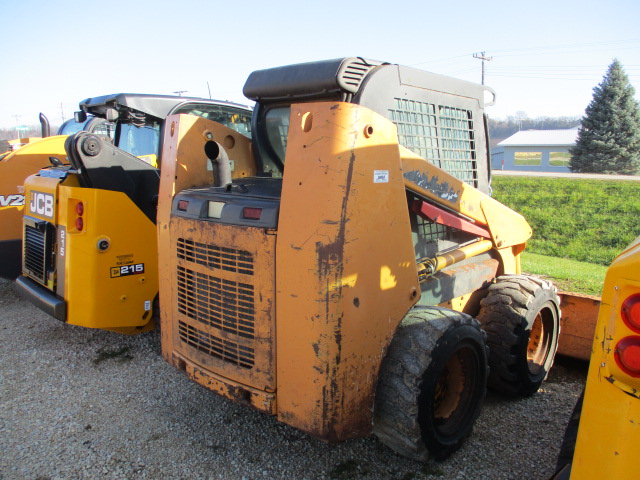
431 384
521 316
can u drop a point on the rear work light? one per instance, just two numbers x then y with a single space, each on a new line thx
630 312
627 355
251 213
79 220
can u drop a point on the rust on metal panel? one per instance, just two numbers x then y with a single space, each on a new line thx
341 290
579 315
215 305
184 165
243 394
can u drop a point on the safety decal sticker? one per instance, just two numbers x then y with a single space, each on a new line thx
381 176
126 270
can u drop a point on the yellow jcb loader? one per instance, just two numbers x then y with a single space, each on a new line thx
337 287
90 252
27 156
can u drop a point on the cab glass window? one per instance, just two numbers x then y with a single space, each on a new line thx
277 130
274 129
93 125
104 128
71 126
140 140
234 118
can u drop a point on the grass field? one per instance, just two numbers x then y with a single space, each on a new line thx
568 275
578 225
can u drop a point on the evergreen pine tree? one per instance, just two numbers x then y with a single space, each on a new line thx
609 134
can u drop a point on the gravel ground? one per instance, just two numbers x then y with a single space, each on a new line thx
78 403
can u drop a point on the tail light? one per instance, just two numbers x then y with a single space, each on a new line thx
79 224
627 351
631 312
627 355
251 213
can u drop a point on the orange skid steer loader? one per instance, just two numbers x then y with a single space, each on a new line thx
337 288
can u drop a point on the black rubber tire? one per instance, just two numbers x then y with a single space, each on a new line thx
568 447
431 384
521 316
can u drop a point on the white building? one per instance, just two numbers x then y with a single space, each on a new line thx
535 150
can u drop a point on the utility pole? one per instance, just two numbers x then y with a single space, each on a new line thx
180 92
484 58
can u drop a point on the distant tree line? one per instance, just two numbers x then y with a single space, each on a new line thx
32 131
499 129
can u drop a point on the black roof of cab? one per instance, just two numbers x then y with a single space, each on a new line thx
155 105
324 78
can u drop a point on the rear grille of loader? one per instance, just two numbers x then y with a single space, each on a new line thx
226 350
212 256
37 245
224 322
217 302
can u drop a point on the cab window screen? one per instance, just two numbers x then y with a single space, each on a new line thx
440 134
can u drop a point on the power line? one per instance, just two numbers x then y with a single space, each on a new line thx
570 45
540 51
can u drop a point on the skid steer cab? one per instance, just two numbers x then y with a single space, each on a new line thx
89 238
602 438
337 288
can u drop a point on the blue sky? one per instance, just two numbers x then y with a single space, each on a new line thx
546 55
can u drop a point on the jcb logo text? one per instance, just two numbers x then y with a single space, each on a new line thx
41 204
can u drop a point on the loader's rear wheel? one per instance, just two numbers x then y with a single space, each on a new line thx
431 384
521 316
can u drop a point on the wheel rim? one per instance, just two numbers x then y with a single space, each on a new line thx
455 392
540 339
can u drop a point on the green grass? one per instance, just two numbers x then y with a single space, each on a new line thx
567 275
586 220
579 226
